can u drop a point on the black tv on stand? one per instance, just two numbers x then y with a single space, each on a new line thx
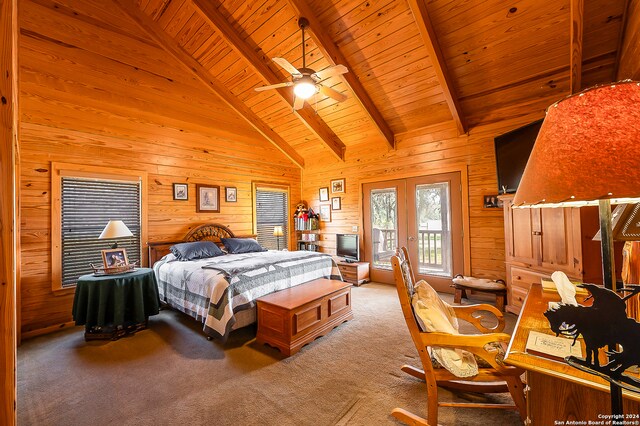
348 247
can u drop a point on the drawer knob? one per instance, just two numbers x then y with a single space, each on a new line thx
518 277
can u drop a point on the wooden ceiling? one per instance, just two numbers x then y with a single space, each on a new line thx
412 64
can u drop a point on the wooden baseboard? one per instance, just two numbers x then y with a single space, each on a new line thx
40 331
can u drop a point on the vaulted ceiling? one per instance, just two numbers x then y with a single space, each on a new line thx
412 63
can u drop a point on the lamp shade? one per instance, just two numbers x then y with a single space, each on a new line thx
115 229
277 231
588 149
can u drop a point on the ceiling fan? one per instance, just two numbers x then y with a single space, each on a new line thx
305 81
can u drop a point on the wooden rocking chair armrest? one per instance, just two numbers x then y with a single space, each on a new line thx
463 341
476 344
467 313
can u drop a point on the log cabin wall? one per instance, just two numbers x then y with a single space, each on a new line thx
95 90
629 66
423 152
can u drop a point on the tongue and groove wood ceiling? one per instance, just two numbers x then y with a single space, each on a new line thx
412 64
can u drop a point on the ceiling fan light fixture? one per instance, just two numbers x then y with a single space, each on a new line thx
304 89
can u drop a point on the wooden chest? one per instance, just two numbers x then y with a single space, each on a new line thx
291 318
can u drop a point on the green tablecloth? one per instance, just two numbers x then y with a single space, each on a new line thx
116 299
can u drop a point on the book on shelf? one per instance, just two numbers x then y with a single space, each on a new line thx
553 347
550 286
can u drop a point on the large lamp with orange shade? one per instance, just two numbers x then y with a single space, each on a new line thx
588 153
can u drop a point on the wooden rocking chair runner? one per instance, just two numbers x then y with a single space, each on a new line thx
495 377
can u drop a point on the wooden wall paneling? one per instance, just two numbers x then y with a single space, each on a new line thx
88 106
424 151
419 10
333 54
9 233
577 28
306 114
629 62
188 62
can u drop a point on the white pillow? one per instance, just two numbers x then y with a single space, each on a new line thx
435 315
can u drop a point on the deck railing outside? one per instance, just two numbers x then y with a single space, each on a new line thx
429 249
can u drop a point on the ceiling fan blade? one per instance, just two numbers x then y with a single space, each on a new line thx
330 72
286 65
298 103
328 91
273 86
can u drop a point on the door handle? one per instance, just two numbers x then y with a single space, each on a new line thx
412 238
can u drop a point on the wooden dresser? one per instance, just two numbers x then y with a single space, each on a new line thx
355 273
539 242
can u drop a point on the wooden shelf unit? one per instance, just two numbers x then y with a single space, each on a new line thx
355 273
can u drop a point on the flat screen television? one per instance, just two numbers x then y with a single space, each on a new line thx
348 246
512 152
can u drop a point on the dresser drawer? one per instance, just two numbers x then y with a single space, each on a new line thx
523 278
517 295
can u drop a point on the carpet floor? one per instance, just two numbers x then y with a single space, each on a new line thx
170 374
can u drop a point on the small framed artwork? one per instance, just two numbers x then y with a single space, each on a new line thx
324 194
113 258
492 202
231 194
207 198
337 186
180 191
336 203
325 213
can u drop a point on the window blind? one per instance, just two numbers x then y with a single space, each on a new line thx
272 210
87 205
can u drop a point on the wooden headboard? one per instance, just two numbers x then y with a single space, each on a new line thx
207 232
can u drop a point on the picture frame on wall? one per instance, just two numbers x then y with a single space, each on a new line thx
492 202
231 194
180 191
324 193
337 186
207 198
325 213
336 203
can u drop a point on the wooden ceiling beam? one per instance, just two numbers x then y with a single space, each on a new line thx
155 31
430 40
258 62
577 28
332 53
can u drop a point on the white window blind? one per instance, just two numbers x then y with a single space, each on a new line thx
87 205
272 210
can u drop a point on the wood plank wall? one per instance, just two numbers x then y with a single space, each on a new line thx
423 152
630 57
94 90
8 211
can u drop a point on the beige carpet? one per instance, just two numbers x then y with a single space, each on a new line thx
170 374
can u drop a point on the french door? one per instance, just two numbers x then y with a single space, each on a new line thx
425 215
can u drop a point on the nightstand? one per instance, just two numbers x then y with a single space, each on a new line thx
355 273
112 306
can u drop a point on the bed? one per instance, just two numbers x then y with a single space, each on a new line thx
221 291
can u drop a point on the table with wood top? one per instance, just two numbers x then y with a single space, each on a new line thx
557 392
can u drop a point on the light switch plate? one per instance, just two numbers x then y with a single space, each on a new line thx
354 228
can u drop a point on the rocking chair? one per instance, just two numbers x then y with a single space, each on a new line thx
492 377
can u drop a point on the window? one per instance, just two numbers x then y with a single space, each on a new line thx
83 203
271 210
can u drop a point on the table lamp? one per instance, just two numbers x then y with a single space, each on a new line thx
588 153
277 232
115 229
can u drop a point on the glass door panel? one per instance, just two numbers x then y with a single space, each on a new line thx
434 232
384 225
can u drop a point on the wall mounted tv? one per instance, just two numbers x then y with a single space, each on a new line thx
348 246
512 152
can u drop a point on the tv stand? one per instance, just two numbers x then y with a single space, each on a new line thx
349 261
354 272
